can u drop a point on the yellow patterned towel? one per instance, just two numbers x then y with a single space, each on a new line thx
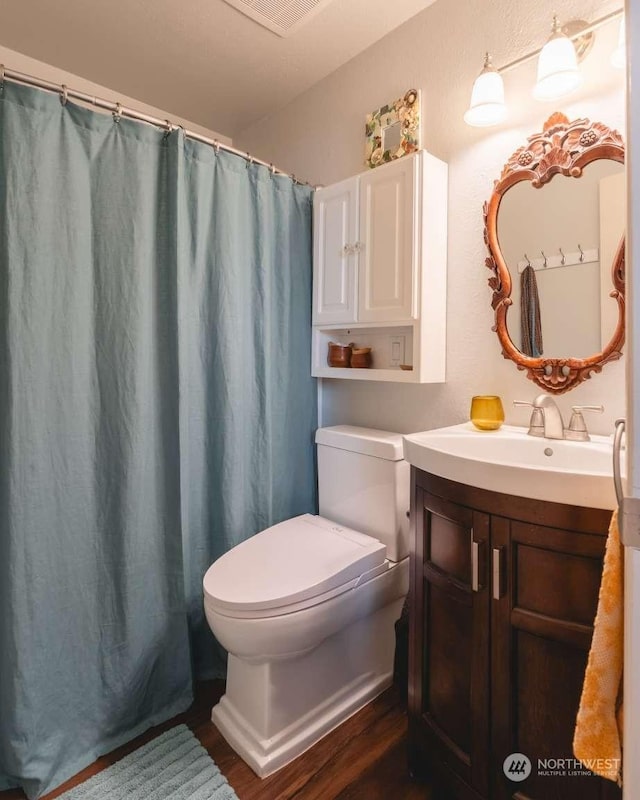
597 740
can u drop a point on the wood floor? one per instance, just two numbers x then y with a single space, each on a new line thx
363 759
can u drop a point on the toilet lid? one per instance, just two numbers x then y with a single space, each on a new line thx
306 558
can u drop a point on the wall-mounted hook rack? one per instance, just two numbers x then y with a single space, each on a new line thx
561 260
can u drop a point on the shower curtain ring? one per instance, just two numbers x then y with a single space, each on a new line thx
216 146
64 95
249 160
168 127
581 254
1 75
563 259
272 170
117 114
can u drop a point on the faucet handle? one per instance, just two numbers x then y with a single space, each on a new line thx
577 430
536 423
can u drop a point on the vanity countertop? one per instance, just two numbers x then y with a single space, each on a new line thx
512 462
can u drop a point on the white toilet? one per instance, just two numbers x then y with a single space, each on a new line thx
307 607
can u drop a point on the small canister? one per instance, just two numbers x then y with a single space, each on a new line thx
361 357
339 355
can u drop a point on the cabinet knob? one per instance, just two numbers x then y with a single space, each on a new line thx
352 249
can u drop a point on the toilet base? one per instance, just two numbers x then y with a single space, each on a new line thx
274 711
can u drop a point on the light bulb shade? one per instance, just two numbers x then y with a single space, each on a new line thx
558 72
619 55
487 100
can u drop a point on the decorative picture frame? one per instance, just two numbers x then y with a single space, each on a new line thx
393 131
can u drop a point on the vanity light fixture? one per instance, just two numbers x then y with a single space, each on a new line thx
558 71
487 98
619 55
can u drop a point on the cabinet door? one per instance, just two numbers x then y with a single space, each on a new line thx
449 656
388 242
545 590
335 257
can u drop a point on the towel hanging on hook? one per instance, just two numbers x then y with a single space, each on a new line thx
530 325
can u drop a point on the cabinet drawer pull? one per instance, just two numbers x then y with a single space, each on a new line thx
475 564
497 573
478 563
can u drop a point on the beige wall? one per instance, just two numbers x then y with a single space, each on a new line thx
320 137
30 66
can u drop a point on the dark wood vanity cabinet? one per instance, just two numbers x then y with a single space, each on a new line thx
504 591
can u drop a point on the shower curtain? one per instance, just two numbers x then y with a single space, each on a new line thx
156 408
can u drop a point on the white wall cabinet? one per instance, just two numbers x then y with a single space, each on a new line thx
335 213
380 242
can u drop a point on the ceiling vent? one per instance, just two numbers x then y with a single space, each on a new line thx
283 17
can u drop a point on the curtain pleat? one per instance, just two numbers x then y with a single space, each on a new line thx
156 408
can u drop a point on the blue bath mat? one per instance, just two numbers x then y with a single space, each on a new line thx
175 766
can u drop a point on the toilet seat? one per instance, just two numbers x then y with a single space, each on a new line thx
293 565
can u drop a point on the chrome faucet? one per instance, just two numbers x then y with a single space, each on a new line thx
553 425
546 419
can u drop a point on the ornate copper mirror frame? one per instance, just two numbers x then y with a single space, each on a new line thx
563 148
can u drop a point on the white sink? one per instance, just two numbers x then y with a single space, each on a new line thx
511 462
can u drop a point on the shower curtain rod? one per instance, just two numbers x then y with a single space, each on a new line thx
122 111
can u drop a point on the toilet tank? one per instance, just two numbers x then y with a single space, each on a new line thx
363 482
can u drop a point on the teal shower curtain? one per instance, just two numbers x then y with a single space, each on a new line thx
156 408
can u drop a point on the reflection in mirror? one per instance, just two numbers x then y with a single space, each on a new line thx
554 226
392 137
578 226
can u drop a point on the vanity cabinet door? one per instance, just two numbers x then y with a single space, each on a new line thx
389 242
335 257
449 653
545 594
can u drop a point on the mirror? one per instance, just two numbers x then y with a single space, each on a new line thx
392 137
554 227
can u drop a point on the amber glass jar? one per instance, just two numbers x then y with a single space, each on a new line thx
486 412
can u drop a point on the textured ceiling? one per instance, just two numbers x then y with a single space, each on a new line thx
200 59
